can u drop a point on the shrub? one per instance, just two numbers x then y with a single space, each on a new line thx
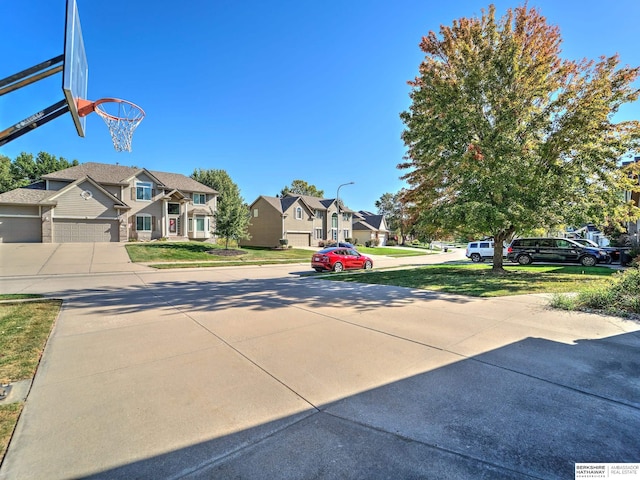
391 243
620 297
563 301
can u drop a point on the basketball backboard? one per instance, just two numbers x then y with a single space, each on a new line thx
75 74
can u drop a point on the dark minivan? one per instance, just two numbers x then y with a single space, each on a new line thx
528 250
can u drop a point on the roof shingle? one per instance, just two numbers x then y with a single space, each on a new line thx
119 174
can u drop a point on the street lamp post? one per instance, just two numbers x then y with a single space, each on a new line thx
338 216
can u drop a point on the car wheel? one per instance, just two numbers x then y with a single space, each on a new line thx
475 257
524 259
588 261
338 267
368 265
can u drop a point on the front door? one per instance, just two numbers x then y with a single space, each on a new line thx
173 210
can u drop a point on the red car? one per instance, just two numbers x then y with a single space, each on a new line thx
339 259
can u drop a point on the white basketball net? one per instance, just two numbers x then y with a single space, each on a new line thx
122 118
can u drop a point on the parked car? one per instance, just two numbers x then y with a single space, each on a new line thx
341 244
338 259
481 250
613 252
528 250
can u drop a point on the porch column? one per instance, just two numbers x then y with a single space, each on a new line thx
165 218
185 221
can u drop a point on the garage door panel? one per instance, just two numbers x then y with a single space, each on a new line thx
299 239
83 231
20 230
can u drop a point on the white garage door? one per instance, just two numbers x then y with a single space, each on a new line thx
299 239
65 231
20 230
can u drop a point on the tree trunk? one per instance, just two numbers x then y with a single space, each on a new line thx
499 240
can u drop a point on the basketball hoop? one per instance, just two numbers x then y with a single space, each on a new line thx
122 118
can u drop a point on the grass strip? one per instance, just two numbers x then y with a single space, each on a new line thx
479 281
394 252
24 330
18 296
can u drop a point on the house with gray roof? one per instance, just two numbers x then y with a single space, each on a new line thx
96 202
303 221
371 228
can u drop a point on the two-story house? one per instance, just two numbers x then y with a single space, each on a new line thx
96 202
302 220
370 227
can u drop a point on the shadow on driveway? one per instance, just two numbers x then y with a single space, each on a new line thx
260 295
505 414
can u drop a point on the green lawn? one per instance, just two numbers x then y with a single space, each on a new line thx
25 328
177 254
394 252
478 280
198 254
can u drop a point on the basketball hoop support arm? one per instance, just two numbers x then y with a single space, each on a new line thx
14 82
28 77
34 121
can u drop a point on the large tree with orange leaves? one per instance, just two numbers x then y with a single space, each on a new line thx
503 135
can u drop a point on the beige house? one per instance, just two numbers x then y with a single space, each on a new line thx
369 227
95 202
302 220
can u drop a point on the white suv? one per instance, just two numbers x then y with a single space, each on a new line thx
481 250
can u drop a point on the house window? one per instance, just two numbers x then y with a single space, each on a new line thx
173 209
298 213
317 234
319 214
199 199
143 191
191 224
199 224
345 217
255 212
143 223
345 233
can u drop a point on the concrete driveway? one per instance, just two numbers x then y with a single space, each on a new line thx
20 259
257 372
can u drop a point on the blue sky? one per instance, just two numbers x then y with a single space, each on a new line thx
269 91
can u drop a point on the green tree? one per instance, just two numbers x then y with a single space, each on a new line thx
6 180
232 214
26 170
395 213
300 187
504 136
